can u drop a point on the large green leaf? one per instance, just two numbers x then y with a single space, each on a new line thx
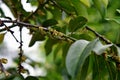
100 48
73 55
77 23
77 54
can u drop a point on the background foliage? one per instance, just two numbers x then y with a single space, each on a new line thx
83 53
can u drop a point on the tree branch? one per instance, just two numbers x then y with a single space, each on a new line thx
98 35
54 33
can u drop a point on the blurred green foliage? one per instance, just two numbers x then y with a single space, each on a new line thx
77 61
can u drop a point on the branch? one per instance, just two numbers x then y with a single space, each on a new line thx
54 33
98 35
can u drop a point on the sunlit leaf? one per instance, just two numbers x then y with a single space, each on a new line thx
86 2
77 54
77 23
118 50
2 37
118 10
105 2
100 48
117 19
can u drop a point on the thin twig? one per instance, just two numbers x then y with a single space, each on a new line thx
20 67
12 33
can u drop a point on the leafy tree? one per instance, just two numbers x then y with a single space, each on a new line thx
80 37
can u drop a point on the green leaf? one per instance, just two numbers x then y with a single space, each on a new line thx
65 5
86 2
105 2
80 8
31 78
2 76
82 36
2 37
118 75
117 19
18 78
99 68
118 10
49 45
37 36
99 4
55 12
77 54
33 2
28 1
100 48
15 77
84 70
74 54
1 13
77 23
118 50
112 70
49 22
